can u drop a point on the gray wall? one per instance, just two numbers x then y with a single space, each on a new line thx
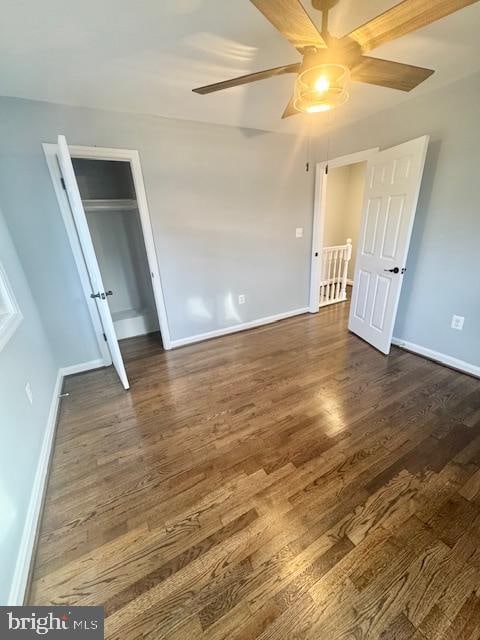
443 262
224 203
27 357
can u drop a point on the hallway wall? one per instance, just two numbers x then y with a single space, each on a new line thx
345 187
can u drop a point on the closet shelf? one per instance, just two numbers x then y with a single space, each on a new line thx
123 204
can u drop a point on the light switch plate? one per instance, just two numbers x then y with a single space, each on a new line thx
299 232
241 299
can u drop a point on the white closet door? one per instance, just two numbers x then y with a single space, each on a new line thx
81 224
390 201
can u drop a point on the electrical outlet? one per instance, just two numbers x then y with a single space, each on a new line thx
241 299
457 322
28 391
299 232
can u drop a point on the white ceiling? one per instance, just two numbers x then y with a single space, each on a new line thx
145 56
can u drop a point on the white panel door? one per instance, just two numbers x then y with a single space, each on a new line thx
85 239
390 201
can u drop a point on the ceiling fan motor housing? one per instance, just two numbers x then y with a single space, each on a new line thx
340 51
324 5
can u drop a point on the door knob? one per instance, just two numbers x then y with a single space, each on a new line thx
394 270
101 295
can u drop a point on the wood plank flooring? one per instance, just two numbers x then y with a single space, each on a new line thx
283 483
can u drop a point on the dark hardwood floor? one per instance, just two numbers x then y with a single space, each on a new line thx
286 482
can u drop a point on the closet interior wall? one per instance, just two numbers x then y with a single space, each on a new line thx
109 200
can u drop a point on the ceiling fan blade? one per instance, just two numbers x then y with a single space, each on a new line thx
404 18
386 73
251 77
289 110
291 19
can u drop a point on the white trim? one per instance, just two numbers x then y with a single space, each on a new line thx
449 361
319 214
352 158
317 237
81 367
50 151
27 544
244 326
133 157
350 282
11 319
8 326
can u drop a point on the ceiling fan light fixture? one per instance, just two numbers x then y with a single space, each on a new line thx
321 88
322 84
318 108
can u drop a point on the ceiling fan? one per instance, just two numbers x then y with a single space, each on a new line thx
329 63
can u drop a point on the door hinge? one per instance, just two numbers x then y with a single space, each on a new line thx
63 183
307 167
326 170
104 337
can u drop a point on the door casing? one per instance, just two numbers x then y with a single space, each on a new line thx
123 155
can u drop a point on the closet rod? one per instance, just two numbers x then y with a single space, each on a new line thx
121 204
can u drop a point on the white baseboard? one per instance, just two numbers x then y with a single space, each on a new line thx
27 544
350 282
82 366
244 326
449 361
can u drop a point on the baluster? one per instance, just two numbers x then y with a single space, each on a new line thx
334 267
322 276
329 286
338 277
348 256
334 275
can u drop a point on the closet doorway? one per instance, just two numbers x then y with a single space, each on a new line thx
110 204
103 202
